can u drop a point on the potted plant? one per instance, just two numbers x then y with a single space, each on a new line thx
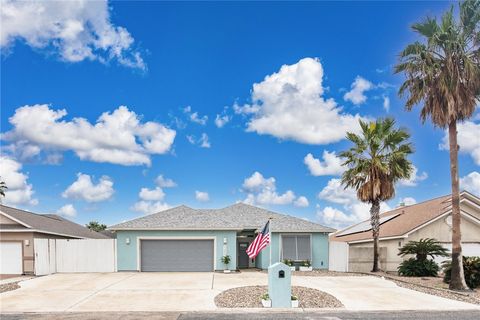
290 264
306 266
266 302
294 301
226 260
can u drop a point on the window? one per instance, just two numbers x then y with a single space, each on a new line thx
296 247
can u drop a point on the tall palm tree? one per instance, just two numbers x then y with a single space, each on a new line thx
443 73
3 189
376 161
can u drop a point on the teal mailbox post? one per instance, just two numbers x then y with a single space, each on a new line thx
280 285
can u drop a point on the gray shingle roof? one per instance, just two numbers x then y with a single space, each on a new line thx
48 223
239 216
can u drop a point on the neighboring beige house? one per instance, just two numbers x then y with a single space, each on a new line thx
428 219
19 228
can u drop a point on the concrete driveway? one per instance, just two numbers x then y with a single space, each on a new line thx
84 292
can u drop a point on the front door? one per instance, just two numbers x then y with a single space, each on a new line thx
242 255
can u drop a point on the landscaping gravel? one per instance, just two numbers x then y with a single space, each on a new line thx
9 286
250 297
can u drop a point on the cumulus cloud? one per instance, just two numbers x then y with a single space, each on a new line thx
331 164
163 182
85 189
118 137
414 179
74 30
407 201
301 202
471 183
67 210
356 210
202 142
156 194
194 116
357 93
221 120
202 196
386 103
149 207
289 104
468 139
263 191
19 191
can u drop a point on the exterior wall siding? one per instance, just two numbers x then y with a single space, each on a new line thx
127 254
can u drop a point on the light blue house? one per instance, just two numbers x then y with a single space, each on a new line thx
186 239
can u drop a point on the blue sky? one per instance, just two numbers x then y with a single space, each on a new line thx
162 73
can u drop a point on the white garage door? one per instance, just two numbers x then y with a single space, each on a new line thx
11 258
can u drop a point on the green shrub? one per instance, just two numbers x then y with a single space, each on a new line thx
288 262
471 271
418 268
226 259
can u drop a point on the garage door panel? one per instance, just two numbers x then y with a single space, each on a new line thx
11 260
177 255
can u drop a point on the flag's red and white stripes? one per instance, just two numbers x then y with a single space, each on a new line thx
260 242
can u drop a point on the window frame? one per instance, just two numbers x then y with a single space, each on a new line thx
296 245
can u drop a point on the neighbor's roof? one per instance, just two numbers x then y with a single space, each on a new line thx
405 219
45 223
239 216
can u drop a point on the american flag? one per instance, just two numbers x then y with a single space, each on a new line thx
260 242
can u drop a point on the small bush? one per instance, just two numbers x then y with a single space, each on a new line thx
418 268
288 262
226 259
471 271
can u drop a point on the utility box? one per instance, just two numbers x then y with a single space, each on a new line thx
280 285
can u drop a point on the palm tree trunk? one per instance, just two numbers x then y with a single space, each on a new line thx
457 281
375 221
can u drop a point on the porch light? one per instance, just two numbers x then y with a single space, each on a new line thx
127 240
224 240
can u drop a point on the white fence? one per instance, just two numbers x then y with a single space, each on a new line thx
338 256
82 255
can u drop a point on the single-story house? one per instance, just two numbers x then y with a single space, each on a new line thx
428 219
187 239
19 228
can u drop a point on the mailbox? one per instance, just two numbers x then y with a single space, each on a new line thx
280 285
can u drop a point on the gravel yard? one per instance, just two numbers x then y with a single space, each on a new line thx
432 285
250 297
9 286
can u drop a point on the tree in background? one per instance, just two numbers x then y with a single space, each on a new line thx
3 189
376 161
443 73
96 226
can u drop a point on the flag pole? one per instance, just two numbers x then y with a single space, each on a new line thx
271 240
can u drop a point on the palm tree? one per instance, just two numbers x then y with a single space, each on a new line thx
423 248
96 226
3 189
444 74
376 161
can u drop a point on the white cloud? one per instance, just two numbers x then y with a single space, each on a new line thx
471 183
331 164
163 182
148 207
356 210
468 139
75 30
301 202
263 191
222 120
357 94
408 201
19 191
386 103
414 179
118 137
204 143
84 189
289 104
67 210
194 116
202 196
156 194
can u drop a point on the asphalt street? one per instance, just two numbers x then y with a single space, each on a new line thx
337 315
